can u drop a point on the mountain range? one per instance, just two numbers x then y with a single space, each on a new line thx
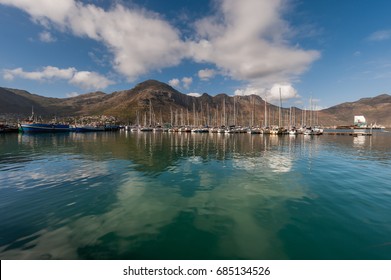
154 101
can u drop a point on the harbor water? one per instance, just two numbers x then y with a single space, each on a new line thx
145 195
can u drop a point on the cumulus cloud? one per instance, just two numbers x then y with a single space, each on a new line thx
82 79
194 94
174 82
73 94
273 94
46 37
250 90
44 10
287 92
90 80
245 40
187 81
206 74
46 73
140 40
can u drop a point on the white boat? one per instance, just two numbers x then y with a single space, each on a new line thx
265 130
318 130
313 131
221 130
185 129
200 130
146 129
275 130
293 132
158 129
255 130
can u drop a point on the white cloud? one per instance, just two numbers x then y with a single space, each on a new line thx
174 82
46 37
206 74
271 95
9 75
140 40
194 94
44 10
245 40
72 94
90 80
187 81
287 92
250 90
380 35
83 79
47 73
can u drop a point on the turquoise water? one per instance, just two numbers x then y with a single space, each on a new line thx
194 196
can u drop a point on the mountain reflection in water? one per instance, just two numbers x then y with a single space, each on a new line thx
193 196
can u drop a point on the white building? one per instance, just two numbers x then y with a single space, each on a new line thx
360 121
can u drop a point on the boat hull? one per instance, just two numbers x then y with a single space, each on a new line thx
88 128
44 127
8 129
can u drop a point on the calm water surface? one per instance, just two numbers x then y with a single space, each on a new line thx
194 196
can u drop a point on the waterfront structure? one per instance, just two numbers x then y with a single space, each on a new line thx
359 121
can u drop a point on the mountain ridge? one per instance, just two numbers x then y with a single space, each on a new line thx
168 103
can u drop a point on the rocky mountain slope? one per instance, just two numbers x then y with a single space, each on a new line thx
160 103
376 110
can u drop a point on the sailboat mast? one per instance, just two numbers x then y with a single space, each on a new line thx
183 118
265 113
207 114
279 111
217 115
150 112
310 111
252 112
234 112
224 123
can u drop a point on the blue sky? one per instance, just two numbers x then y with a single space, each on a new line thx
331 51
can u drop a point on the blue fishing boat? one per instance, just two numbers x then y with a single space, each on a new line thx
44 127
32 125
87 128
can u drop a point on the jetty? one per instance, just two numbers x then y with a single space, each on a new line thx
349 133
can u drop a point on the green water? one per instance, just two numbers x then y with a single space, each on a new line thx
194 196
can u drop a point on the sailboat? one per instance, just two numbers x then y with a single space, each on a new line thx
253 129
277 130
221 129
146 128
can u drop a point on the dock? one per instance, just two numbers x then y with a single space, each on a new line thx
354 134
